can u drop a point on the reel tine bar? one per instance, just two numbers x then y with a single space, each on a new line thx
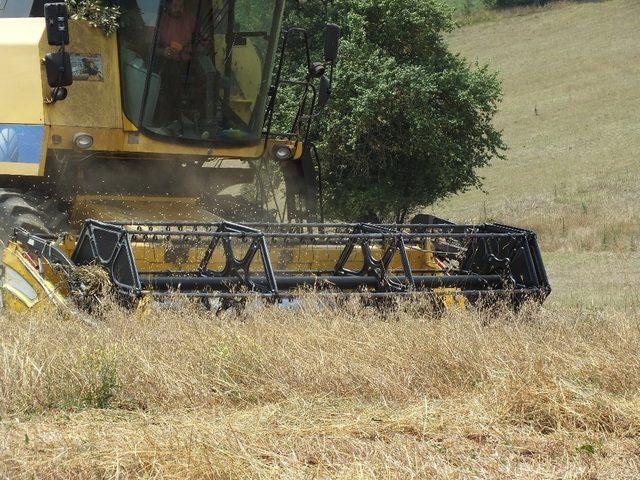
451 259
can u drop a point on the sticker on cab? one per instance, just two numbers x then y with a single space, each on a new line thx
87 67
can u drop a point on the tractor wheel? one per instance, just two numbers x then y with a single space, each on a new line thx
29 211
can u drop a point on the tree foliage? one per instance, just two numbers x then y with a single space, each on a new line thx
103 14
409 122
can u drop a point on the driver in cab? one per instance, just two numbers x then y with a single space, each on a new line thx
176 30
175 34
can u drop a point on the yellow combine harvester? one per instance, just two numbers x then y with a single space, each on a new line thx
125 152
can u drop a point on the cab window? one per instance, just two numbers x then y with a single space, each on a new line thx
198 70
21 8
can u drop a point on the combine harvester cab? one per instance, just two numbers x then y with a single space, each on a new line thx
227 262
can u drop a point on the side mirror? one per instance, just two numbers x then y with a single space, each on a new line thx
57 19
58 68
331 42
317 70
324 92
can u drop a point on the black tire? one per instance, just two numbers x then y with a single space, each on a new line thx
8 145
29 211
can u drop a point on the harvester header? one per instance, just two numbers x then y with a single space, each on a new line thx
456 264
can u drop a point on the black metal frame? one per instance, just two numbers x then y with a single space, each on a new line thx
477 260
306 109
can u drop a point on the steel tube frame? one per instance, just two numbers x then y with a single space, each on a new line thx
488 259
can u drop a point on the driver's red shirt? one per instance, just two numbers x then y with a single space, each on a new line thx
177 30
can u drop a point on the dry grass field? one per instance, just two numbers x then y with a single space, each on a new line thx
312 393
353 392
571 77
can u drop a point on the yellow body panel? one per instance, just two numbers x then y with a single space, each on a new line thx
154 257
117 140
121 208
93 104
294 258
29 283
21 100
26 169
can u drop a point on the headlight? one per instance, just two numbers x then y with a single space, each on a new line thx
282 152
82 141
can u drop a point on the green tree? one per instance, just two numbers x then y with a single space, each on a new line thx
409 122
103 14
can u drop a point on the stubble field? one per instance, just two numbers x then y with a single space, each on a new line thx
345 392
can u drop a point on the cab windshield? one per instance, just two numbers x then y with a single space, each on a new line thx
198 70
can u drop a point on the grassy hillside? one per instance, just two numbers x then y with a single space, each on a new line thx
571 77
462 7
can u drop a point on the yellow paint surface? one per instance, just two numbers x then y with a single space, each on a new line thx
21 99
118 140
48 287
90 103
13 168
133 208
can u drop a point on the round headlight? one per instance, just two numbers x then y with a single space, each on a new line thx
82 141
283 152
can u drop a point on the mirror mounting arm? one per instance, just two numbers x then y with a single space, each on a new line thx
316 70
273 91
58 64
